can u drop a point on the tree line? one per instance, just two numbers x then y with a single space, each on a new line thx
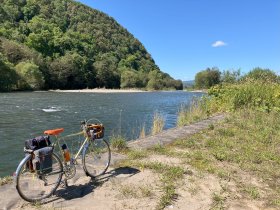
213 76
63 44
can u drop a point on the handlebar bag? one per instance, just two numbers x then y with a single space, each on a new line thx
97 130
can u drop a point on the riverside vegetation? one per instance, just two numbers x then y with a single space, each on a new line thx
63 44
241 154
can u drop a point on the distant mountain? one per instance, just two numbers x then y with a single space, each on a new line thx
65 44
189 83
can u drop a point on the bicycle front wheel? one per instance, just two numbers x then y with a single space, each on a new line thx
96 157
35 186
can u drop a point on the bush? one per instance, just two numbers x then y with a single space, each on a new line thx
249 94
262 75
30 76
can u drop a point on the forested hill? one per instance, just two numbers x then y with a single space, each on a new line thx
49 44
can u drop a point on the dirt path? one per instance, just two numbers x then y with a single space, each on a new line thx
143 182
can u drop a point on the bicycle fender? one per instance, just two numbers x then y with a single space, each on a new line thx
21 163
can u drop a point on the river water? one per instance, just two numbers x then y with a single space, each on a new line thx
24 115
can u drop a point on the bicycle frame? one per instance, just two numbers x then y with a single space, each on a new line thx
82 147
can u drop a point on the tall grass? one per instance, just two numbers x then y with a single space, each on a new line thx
196 111
249 94
118 143
252 94
158 123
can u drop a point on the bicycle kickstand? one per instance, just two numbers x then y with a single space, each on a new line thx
64 183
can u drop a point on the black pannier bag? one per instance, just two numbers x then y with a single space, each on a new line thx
37 142
42 161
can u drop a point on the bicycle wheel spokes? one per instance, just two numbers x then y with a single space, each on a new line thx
34 185
96 158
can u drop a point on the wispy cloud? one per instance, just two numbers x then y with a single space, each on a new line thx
219 44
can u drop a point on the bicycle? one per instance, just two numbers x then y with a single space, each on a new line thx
34 185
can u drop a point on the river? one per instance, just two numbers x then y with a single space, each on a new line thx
24 115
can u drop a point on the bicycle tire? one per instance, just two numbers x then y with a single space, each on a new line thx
96 157
43 185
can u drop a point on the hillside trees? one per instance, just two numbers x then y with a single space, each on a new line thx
8 76
30 77
210 77
74 46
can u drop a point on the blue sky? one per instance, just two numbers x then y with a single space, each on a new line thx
187 36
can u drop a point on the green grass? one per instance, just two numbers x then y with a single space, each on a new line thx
6 180
196 111
248 139
118 143
169 177
135 191
218 201
137 154
252 191
246 144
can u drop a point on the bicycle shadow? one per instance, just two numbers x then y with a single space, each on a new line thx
81 190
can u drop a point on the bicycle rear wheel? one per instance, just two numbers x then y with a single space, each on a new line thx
33 186
96 157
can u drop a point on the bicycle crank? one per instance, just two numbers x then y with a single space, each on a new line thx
69 171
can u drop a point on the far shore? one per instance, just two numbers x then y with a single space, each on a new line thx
100 90
199 91
103 90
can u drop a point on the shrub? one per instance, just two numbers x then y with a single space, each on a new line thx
249 94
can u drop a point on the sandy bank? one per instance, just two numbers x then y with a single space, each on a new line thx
98 90
198 91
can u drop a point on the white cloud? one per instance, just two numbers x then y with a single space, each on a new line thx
219 44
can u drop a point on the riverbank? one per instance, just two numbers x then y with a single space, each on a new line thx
213 164
109 191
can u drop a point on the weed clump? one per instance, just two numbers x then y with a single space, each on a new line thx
118 143
158 123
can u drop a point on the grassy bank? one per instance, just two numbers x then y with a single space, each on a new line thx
242 153
249 140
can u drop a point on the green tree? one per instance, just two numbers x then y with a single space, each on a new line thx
260 74
68 72
130 79
8 76
230 76
30 76
207 78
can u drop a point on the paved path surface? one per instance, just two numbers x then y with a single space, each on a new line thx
170 135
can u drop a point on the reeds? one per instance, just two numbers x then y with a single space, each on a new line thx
158 123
